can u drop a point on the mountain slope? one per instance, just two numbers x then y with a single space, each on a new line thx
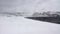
21 25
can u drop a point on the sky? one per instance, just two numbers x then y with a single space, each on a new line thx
29 6
20 25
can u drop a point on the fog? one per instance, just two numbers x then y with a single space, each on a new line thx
29 6
21 25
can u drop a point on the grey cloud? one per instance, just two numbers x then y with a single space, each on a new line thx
29 5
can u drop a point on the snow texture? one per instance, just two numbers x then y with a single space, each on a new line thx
21 25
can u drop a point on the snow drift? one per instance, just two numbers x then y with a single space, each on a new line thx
21 25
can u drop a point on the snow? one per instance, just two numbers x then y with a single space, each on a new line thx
21 25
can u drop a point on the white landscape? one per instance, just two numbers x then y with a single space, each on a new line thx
21 25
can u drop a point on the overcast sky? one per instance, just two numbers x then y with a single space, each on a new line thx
29 5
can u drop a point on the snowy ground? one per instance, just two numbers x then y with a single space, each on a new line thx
21 25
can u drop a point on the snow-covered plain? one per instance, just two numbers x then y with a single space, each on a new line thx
21 25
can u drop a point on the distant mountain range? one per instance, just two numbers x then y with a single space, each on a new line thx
36 14
46 14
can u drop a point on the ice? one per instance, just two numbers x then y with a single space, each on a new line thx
21 25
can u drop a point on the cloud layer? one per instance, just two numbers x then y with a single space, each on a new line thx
29 6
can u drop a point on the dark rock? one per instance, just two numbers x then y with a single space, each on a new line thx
47 19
